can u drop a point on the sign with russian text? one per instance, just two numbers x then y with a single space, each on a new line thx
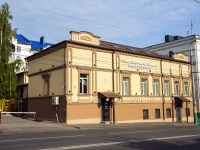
137 64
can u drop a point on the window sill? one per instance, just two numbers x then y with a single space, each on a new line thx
83 94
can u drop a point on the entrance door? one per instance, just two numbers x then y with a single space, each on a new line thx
105 110
178 114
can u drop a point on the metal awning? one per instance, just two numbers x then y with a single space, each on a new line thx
181 99
110 94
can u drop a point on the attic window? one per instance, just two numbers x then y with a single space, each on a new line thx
115 46
133 49
147 52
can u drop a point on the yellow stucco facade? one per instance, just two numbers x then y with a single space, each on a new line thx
79 70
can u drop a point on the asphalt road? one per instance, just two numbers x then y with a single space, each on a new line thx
151 137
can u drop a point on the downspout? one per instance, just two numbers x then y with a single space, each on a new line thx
172 107
198 86
65 84
113 86
163 97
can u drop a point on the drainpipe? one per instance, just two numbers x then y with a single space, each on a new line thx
172 108
187 111
163 97
113 87
65 84
193 84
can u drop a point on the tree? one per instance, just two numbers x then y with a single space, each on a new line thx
8 78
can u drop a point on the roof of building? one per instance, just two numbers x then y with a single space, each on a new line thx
125 49
22 39
108 46
35 45
174 41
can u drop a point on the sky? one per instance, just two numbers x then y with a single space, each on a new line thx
137 23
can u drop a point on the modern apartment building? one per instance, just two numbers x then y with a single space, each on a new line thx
189 46
23 47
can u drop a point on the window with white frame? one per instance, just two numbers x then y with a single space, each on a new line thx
19 49
144 87
185 88
166 87
83 83
176 88
126 86
156 87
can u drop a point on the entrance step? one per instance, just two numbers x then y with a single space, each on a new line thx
105 122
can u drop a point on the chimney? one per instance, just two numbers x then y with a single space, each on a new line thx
169 38
42 40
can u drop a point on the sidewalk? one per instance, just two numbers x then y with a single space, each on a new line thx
11 124
124 125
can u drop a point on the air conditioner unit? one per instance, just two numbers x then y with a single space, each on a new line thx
55 100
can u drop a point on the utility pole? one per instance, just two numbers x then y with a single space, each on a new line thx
191 27
193 83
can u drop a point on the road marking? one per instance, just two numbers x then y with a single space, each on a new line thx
114 143
137 132
176 137
44 138
83 146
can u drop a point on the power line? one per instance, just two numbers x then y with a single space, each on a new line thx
76 18
197 1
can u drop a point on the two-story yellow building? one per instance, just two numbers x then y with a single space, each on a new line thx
86 80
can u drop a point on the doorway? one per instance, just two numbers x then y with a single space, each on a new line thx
178 107
178 114
105 110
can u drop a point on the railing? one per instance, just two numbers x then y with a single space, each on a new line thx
33 113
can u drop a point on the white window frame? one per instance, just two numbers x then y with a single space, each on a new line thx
83 82
144 87
176 88
156 87
19 49
166 87
185 88
126 88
